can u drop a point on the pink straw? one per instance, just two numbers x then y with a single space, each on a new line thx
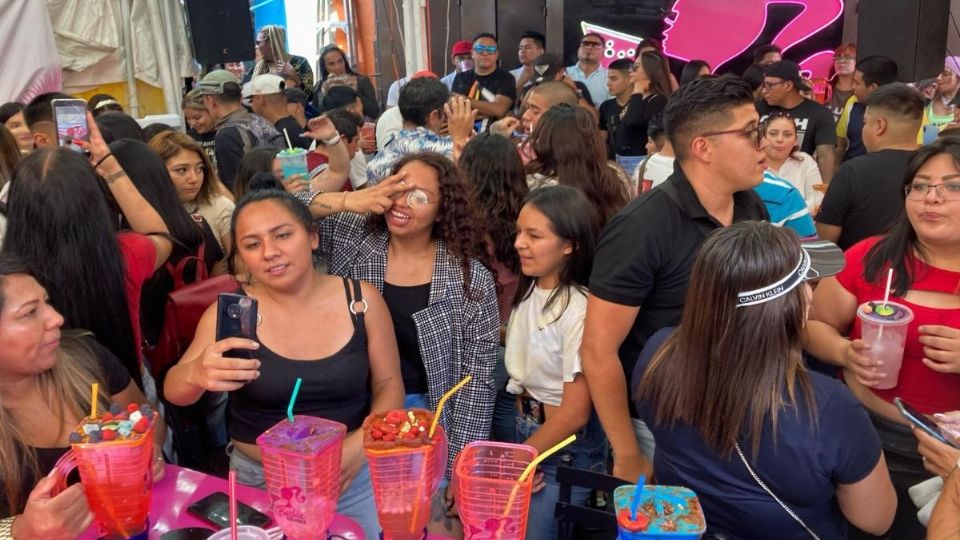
232 479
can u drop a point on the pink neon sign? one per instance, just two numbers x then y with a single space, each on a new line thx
718 32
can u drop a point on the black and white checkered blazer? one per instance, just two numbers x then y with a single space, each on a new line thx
457 336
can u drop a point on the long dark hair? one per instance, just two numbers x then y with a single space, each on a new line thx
297 209
323 64
9 154
149 174
60 224
691 71
492 163
724 371
900 246
569 148
573 219
459 225
655 66
254 161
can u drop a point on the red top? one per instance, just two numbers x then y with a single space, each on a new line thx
927 390
139 256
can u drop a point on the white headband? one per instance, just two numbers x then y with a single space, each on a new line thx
778 289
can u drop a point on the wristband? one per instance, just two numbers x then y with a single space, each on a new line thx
101 160
332 140
6 528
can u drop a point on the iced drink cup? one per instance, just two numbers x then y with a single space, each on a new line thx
116 473
884 328
301 465
293 161
244 532
664 512
492 501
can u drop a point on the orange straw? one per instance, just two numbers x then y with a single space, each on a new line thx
94 393
530 468
232 482
443 401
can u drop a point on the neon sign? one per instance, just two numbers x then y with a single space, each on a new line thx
718 32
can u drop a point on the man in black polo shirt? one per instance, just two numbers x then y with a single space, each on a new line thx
644 256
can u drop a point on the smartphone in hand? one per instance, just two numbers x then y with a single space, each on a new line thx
70 122
922 422
237 317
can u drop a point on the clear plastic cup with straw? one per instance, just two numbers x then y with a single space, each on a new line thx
884 326
293 161
406 475
493 500
662 512
301 465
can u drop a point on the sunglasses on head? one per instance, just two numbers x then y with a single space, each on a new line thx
485 49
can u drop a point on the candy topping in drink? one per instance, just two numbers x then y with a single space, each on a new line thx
117 424
878 311
669 510
399 427
291 152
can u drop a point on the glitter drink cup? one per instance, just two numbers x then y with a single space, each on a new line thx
293 161
301 465
117 478
884 328
667 512
404 481
486 476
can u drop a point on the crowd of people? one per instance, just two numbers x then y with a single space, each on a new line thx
669 268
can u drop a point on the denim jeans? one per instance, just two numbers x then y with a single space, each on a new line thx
503 427
588 452
356 502
644 438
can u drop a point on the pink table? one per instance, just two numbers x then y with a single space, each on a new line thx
179 488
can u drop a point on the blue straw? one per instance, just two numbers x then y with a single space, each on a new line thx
293 399
636 497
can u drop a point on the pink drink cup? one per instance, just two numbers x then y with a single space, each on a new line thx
887 338
117 477
404 481
486 476
301 465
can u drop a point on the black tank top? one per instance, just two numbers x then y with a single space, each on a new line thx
336 387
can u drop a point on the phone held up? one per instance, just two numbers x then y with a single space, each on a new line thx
922 422
237 317
70 122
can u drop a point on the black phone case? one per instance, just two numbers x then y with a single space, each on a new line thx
215 510
920 421
236 317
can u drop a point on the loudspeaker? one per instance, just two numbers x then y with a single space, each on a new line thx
222 30
913 33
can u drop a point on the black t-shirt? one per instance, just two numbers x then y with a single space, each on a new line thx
403 303
207 142
866 195
645 254
294 131
815 124
632 131
609 122
115 380
486 87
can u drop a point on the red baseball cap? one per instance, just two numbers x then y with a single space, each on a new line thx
461 47
425 73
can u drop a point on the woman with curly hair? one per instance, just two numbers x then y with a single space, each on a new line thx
569 151
425 248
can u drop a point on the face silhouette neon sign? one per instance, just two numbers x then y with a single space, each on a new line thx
718 32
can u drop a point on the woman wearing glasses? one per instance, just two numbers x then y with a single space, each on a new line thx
424 247
921 248
841 82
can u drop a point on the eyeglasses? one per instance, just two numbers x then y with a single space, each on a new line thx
844 58
485 49
771 85
416 198
918 192
752 133
591 44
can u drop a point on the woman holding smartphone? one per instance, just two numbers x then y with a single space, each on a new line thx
334 333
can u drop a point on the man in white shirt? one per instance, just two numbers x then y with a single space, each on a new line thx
461 54
588 69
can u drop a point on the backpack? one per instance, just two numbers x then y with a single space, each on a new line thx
184 306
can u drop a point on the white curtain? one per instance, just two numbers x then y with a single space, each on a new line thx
31 65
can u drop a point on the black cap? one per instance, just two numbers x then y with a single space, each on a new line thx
787 70
546 66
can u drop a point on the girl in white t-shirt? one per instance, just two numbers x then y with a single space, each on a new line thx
556 233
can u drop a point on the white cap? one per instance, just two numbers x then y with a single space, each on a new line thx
266 84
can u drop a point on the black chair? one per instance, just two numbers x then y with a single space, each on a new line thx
595 519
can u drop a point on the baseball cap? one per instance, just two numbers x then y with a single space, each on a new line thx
266 84
787 70
219 81
546 66
424 73
461 47
819 259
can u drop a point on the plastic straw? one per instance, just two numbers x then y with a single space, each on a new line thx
636 497
443 401
94 393
286 136
886 294
531 467
232 480
293 399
